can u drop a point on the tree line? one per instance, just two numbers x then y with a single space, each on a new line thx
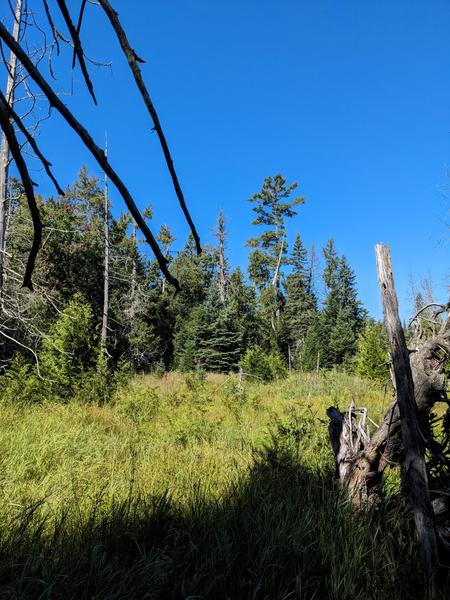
219 318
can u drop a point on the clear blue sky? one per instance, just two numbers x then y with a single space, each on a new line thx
351 99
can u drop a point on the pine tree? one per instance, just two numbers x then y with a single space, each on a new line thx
269 249
331 264
196 276
342 339
220 345
219 338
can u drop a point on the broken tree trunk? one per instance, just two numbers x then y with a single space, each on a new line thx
414 469
419 384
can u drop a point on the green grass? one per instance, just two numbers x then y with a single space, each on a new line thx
183 488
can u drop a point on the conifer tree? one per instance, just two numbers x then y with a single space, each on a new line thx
301 304
269 248
342 314
242 308
222 279
332 339
219 341
373 352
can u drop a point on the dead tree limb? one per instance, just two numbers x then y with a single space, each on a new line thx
29 193
52 24
77 48
104 332
80 21
94 149
30 139
133 60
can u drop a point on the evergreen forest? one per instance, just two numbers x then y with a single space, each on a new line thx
220 417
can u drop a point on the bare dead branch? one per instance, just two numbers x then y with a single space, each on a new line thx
80 21
12 114
133 60
443 308
78 50
52 25
26 348
29 193
93 148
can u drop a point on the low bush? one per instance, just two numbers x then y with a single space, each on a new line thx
263 366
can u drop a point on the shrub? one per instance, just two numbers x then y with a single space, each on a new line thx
195 380
20 383
373 352
70 349
263 366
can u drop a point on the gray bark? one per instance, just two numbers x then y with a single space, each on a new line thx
4 151
414 468
104 334
222 280
133 268
419 383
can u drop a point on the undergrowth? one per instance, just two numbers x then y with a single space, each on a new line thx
187 487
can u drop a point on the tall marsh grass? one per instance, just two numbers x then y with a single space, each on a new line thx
186 487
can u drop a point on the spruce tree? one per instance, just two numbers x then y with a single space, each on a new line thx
342 315
242 309
300 307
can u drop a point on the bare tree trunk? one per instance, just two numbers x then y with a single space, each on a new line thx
277 269
4 151
133 268
221 235
414 468
406 429
104 333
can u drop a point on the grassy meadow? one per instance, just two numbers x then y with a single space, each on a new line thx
191 487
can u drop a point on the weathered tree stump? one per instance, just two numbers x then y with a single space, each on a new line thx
411 435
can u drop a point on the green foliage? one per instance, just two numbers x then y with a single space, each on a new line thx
20 384
218 339
342 316
272 210
300 309
313 354
97 383
373 352
195 380
342 341
69 351
151 498
213 320
263 366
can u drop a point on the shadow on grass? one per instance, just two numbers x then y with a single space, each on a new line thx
280 533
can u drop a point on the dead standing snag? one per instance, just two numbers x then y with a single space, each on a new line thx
408 434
